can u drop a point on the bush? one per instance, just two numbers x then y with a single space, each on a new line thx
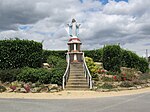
57 74
131 60
41 75
137 82
34 75
143 65
20 53
112 58
106 86
56 62
127 84
107 79
47 53
2 88
93 68
110 73
95 77
127 76
59 66
144 76
96 55
9 75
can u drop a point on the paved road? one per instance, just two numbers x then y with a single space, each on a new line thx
132 103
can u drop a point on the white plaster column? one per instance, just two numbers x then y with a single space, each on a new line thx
75 47
75 56
68 48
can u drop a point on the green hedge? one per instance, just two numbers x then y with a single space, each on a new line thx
34 75
57 62
20 53
9 75
27 74
47 53
132 60
96 55
112 58
53 75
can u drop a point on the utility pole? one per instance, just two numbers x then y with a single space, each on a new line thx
147 54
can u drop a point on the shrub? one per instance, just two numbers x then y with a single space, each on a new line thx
14 85
2 88
144 76
59 67
127 76
41 75
143 65
33 75
57 74
126 84
106 86
96 55
91 66
132 60
9 75
112 58
107 79
110 73
95 77
56 62
27 88
137 82
47 53
20 53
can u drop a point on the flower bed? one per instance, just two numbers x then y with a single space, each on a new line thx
21 87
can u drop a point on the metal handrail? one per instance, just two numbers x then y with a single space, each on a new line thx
66 74
87 73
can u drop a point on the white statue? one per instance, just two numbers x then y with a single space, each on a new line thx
73 28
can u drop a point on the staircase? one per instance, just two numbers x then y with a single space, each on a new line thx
77 79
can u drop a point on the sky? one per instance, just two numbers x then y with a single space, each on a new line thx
124 22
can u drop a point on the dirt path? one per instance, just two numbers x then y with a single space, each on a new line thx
72 94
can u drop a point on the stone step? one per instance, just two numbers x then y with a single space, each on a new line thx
73 67
76 66
77 86
73 82
73 74
77 83
81 74
77 80
77 69
77 77
77 89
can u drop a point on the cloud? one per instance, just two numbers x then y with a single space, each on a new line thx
102 23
